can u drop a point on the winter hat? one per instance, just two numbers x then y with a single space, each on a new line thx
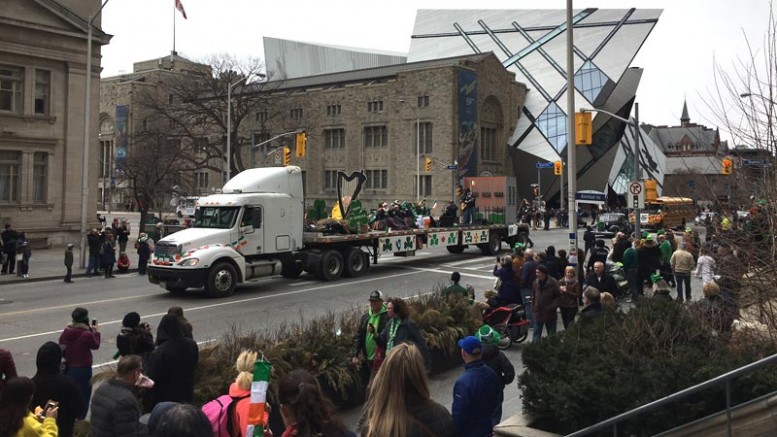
80 315
486 334
49 357
376 295
131 320
655 277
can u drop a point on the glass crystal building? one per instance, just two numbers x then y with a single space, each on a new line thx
532 44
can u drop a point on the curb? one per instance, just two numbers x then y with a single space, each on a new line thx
20 280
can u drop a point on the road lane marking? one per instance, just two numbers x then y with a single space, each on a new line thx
457 263
59 307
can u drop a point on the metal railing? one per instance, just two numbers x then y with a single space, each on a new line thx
722 379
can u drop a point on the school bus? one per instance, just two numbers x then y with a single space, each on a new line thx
667 212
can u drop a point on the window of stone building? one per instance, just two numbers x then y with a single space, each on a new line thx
426 185
42 91
333 110
296 113
375 106
334 138
488 144
106 151
423 101
11 86
170 99
424 139
10 163
376 179
261 116
375 136
330 180
40 178
202 179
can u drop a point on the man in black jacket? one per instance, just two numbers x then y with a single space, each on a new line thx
94 241
364 347
599 253
51 384
9 237
115 407
600 280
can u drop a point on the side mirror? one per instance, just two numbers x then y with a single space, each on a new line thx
256 218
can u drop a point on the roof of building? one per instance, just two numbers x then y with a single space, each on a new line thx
70 16
377 73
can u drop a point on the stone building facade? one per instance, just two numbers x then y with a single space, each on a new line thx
370 120
43 49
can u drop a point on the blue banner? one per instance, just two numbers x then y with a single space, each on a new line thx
468 124
122 141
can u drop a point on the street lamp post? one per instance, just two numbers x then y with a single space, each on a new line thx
87 135
571 140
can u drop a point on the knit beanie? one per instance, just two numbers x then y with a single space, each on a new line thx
80 315
131 320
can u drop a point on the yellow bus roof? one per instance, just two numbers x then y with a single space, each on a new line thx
667 199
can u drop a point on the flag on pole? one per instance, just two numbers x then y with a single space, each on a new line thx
179 6
257 415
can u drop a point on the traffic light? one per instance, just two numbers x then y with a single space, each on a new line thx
558 168
726 166
583 131
458 191
428 164
301 142
286 156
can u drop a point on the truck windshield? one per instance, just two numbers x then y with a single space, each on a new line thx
221 217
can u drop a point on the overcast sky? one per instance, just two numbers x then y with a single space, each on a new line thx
678 56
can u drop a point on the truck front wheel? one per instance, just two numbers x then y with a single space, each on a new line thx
222 280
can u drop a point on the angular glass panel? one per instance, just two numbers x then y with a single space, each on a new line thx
589 81
553 124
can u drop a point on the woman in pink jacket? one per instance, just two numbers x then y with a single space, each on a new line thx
78 340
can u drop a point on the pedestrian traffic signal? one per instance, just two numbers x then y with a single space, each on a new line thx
301 143
428 164
286 156
558 168
583 131
727 166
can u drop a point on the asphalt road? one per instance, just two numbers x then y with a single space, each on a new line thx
34 313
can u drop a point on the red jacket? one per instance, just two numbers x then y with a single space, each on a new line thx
79 341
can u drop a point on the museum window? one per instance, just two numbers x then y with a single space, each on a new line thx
553 124
42 91
375 136
40 170
426 185
10 163
488 144
423 101
375 106
424 139
202 179
106 151
334 138
11 85
296 113
261 116
376 179
333 110
330 180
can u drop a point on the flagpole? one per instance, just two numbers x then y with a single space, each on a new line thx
173 52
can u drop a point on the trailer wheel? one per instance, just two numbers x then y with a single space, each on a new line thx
175 290
290 268
221 281
356 262
331 266
492 247
459 248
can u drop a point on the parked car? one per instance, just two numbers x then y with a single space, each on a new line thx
612 223
701 219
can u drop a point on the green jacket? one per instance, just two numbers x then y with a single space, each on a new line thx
455 288
630 259
666 252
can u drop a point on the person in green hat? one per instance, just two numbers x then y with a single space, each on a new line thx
660 288
497 361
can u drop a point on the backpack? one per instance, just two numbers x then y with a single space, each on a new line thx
221 413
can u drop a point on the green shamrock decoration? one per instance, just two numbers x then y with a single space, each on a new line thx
434 240
387 245
408 243
319 211
357 217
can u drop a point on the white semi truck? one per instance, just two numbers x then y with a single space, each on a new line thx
254 228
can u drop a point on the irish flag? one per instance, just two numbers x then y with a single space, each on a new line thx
257 415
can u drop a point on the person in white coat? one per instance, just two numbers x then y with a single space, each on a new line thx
705 267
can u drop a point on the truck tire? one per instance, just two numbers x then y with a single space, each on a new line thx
356 262
221 281
331 266
175 290
459 248
492 247
290 268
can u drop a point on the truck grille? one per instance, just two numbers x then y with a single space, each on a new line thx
166 250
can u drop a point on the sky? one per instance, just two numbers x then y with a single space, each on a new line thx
678 57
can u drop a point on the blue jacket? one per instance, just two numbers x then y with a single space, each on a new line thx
509 292
475 398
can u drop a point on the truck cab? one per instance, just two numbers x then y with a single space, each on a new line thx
250 230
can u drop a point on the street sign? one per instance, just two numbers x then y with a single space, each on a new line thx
452 167
637 195
278 156
544 165
643 218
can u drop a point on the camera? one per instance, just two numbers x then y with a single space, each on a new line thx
94 322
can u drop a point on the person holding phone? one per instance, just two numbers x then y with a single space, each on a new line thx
78 340
15 403
52 385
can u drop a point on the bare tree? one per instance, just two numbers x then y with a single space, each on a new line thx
745 104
